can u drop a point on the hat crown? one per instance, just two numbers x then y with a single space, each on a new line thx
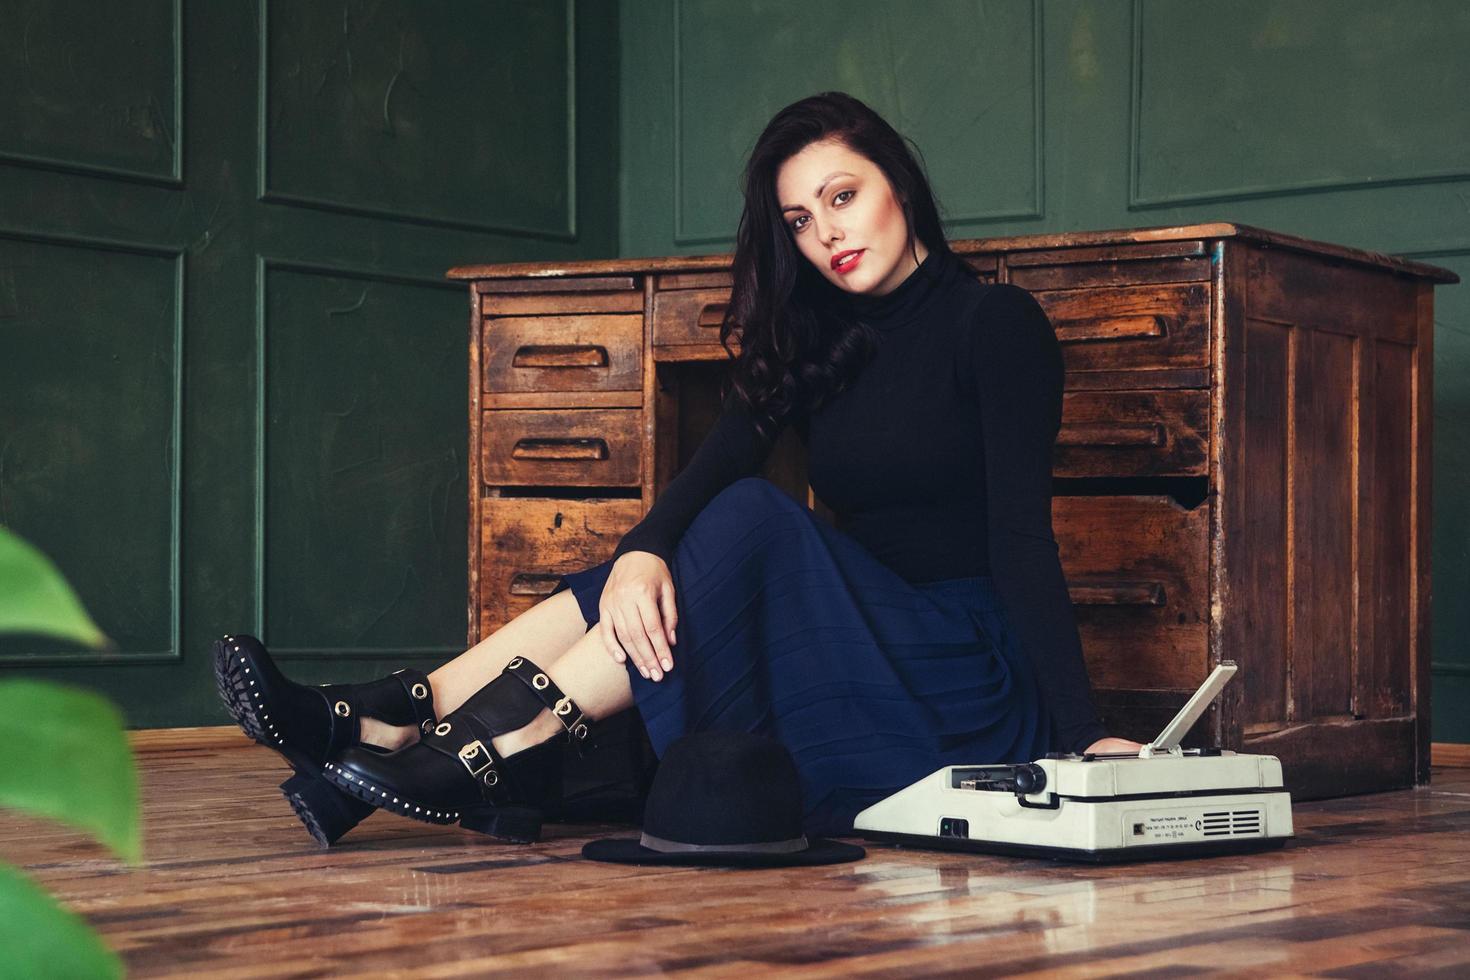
725 788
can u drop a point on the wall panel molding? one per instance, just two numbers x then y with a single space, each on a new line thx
683 235
1139 201
565 232
174 653
264 266
174 177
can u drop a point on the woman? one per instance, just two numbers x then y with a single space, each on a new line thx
931 627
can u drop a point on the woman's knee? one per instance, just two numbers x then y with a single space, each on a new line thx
726 521
753 493
742 504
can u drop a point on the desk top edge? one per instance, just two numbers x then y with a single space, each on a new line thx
967 246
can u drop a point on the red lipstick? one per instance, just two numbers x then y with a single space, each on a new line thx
848 267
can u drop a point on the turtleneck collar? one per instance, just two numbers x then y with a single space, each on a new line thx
909 299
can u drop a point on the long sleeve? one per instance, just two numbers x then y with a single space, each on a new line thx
1016 365
734 448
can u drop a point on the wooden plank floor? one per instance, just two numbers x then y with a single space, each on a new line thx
233 887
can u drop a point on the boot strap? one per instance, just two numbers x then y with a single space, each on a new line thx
494 774
349 702
466 736
577 725
420 697
404 697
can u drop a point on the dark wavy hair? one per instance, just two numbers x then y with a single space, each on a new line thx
798 346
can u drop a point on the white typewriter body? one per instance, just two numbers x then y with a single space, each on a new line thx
1162 802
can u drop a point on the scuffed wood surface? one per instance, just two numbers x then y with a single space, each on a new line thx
233 887
1013 243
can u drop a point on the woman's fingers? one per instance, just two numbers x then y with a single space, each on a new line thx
625 641
639 614
642 630
630 631
669 607
609 639
655 631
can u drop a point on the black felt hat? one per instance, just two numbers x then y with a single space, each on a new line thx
724 798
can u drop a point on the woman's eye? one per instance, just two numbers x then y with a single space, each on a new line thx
797 226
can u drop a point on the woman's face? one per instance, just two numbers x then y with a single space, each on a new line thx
836 201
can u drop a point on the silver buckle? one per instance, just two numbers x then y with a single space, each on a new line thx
475 750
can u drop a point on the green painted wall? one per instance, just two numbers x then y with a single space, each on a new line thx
232 375
1344 121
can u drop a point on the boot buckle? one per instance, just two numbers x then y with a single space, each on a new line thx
475 758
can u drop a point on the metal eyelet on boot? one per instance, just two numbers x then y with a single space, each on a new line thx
515 663
420 692
540 681
564 706
442 728
427 726
342 708
490 777
580 730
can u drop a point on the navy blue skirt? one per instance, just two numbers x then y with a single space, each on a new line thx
789 627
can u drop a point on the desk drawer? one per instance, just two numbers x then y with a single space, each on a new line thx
526 544
1144 327
552 354
1134 433
1137 572
689 316
583 447
1110 265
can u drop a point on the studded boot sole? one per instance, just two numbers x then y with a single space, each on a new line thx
307 725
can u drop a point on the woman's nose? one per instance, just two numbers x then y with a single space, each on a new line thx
826 233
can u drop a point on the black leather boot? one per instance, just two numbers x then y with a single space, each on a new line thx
453 774
309 725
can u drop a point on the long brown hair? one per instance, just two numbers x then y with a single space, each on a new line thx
798 344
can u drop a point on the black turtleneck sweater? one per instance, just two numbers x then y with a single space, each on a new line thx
937 458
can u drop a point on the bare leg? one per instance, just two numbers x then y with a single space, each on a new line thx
542 634
588 676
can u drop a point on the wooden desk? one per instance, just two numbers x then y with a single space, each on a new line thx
1242 470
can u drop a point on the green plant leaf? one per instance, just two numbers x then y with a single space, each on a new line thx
34 598
64 755
42 939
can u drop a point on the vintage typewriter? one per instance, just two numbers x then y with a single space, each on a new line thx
1165 801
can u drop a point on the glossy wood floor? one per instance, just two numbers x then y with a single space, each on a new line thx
233 887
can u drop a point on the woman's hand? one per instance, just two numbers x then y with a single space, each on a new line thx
1114 745
638 602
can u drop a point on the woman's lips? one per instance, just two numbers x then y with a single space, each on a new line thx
850 263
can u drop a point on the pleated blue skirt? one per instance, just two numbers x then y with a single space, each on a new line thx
789 627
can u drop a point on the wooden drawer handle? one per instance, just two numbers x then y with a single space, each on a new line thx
1112 434
532 583
711 315
1118 594
551 449
1112 328
560 356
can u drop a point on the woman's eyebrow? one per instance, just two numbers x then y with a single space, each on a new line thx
820 187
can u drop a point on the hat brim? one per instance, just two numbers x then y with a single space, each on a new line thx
628 851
